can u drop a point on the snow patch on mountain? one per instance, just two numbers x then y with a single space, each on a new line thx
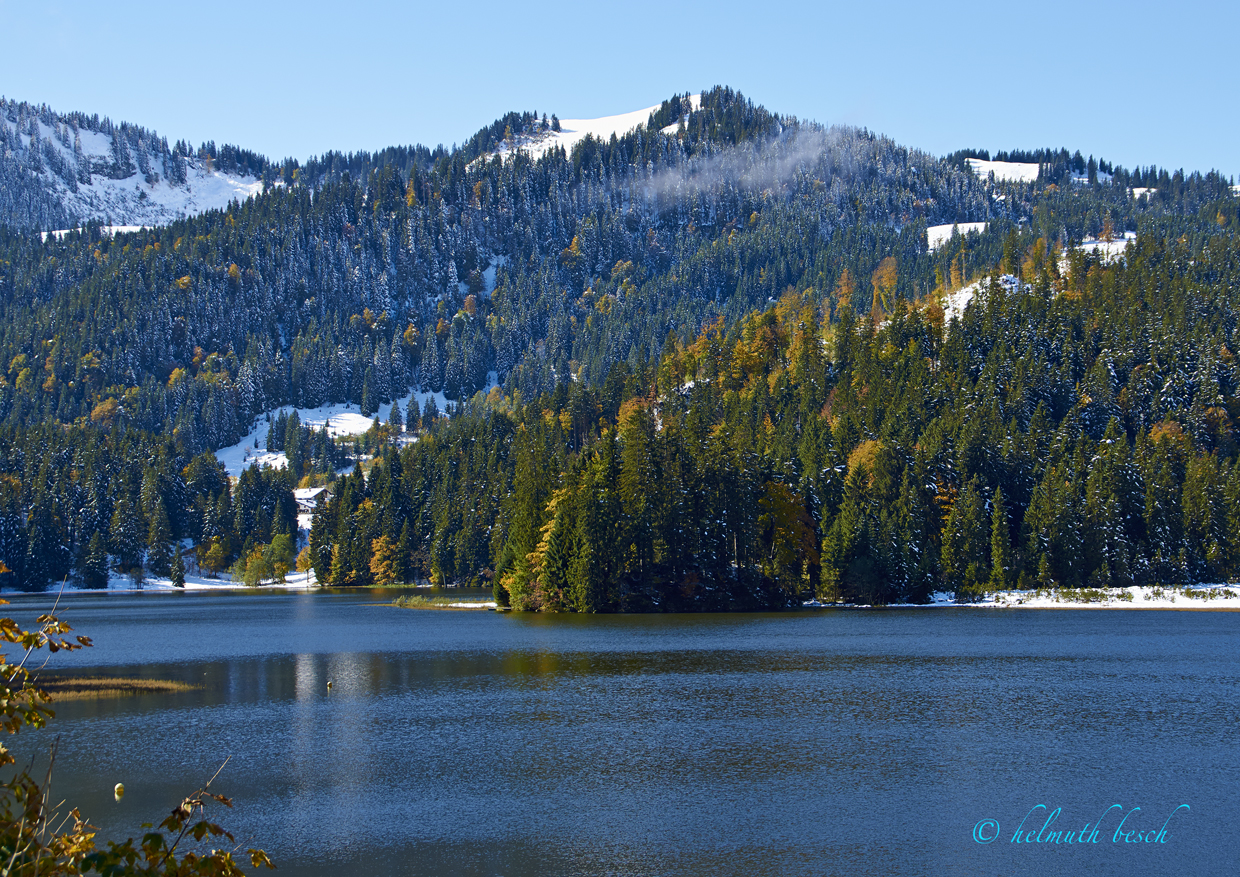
937 235
340 419
954 303
1108 251
132 203
124 178
573 131
695 104
107 231
1005 171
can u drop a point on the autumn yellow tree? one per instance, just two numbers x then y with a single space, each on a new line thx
845 287
788 536
884 281
384 564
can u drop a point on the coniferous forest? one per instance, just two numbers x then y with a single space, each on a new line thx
704 365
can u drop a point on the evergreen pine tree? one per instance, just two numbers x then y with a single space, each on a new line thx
1000 545
95 562
159 541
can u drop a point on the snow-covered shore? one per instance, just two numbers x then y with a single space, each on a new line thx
123 584
1199 597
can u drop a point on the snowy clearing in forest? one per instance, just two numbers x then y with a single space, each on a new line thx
1004 171
937 235
1107 251
954 303
341 419
573 131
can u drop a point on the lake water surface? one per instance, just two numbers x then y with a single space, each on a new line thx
831 742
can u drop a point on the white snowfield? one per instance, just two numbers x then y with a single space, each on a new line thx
135 203
937 235
108 231
1110 250
1138 191
954 303
132 202
1005 171
340 419
573 131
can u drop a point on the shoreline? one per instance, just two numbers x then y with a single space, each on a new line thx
123 584
1202 598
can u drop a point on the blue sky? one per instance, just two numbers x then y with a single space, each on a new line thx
1134 82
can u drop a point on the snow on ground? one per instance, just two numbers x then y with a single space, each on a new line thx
136 204
1015 171
341 419
1200 597
955 302
937 235
132 201
695 104
488 277
107 231
573 131
1235 190
1110 250
1138 191
123 584
488 274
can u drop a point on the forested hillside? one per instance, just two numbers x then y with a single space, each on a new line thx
357 278
1076 429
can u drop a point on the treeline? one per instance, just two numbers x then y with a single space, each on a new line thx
1076 428
1060 168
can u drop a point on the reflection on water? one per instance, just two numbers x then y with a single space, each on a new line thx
828 743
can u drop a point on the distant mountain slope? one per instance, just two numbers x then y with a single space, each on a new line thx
58 170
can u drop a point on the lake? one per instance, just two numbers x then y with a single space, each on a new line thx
827 742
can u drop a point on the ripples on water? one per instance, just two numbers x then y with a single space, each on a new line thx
835 742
